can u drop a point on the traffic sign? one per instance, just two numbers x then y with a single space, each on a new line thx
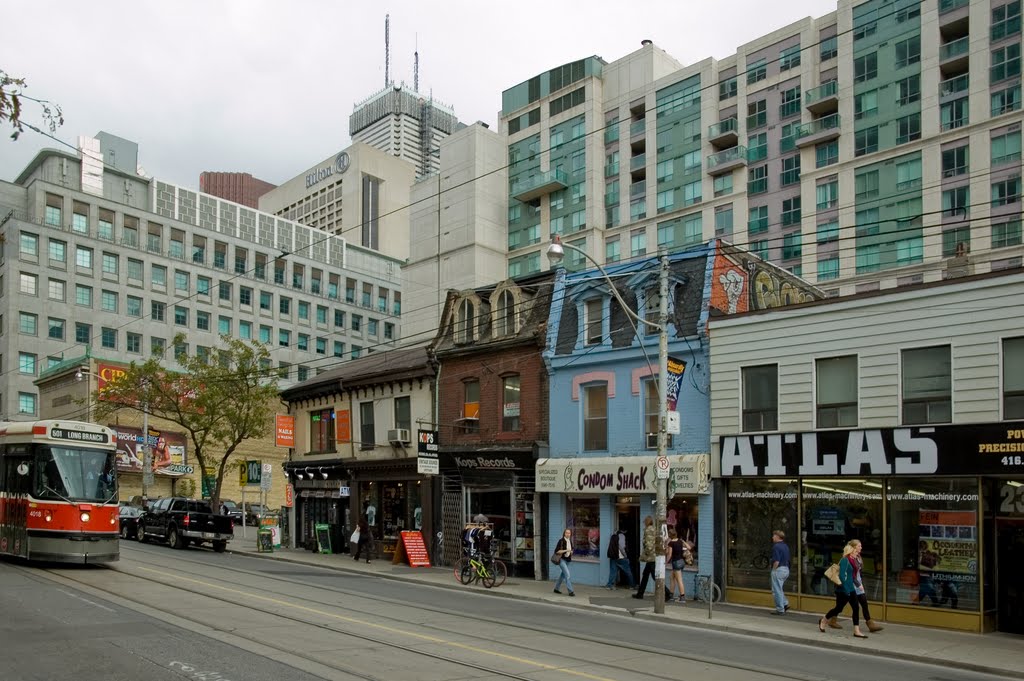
662 468
266 477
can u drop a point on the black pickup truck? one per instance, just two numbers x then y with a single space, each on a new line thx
180 521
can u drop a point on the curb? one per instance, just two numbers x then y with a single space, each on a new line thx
650 616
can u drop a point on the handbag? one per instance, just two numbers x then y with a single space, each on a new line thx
556 557
354 539
832 572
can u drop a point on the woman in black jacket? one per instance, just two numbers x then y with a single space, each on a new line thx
364 539
563 549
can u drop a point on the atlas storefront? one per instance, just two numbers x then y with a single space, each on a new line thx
596 496
939 511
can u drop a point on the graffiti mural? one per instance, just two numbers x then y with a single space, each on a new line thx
742 282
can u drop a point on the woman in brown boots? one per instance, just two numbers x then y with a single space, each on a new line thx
862 597
846 592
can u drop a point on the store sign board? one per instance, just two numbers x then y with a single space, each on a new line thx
343 424
619 475
976 449
284 430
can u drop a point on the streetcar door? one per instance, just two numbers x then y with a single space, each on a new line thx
18 484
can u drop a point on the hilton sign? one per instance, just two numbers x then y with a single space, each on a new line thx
340 165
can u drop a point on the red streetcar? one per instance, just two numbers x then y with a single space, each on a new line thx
58 491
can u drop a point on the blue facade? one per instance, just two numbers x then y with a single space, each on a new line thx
577 360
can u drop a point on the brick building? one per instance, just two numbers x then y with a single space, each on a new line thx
493 413
241 188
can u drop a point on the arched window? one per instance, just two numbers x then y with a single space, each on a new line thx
465 322
506 317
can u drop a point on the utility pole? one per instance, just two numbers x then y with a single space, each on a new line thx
662 483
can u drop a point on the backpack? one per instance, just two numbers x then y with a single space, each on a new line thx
613 547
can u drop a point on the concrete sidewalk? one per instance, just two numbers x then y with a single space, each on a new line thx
1001 654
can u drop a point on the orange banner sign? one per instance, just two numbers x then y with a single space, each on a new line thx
289 495
344 419
285 431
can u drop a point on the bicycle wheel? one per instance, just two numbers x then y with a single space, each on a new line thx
760 562
486 576
463 570
500 572
706 589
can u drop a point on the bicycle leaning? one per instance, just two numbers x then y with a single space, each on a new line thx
477 565
705 589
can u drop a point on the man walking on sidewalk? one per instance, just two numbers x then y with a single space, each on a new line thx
780 571
647 557
618 559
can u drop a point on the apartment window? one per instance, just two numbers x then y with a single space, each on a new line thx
224 291
26 403
723 184
827 195
28 246
826 154
322 430
760 248
908 128
1006 234
908 174
868 258
159 275
266 301
953 115
908 51
956 201
389 331
284 338
367 436
760 397
108 301
908 90
245 296
1013 378
302 341
110 264
1006 100
28 284
56 289
789 58
28 323
612 250
223 326
865 104
727 88
157 347
828 48
83 333
637 243
83 257
757 114
339 349
180 315
758 220
303 310
83 295
827 231
202 320
1005 21
866 141
1006 148
593 321
371 326
956 241
321 346
1006 191
790 170
791 211
910 251
1005 63
284 305
691 193
108 338
836 391
666 200
26 363
757 180
52 213
510 401
638 209
471 406
105 225
791 246
865 68
339 319
245 330
926 385
265 334
757 147
757 70
595 417
828 268
56 329
57 251
956 161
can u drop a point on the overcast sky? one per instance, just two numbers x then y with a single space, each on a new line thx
267 87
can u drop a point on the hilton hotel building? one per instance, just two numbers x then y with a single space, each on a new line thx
96 254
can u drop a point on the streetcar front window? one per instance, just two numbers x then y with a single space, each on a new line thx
76 474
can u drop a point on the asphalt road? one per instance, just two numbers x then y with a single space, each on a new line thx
255 619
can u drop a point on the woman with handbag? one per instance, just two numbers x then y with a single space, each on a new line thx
562 557
846 591
674 554
364 538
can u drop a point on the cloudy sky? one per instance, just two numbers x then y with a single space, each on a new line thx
267 87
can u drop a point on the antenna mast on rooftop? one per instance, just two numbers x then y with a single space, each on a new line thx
387 49
416 66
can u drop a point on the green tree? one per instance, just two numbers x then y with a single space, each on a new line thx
12 94
219 401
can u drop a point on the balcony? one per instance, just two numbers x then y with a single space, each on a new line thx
536 186
953 18
637 128
724 133
823 99
954 56
637 162
638 189
815 132
727 160
951 88
946 6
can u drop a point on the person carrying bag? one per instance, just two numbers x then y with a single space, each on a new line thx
562 557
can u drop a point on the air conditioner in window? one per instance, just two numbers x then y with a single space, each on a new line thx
652 440
399 436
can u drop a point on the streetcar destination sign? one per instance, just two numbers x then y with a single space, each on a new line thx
78 435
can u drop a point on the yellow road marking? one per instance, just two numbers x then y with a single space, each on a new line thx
382 627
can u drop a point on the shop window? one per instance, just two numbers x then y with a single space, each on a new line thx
926 382
470 419
321 431
510 403
933 542
760 398
836 389
595 417
403 412
755 509
681 515
367 436
583 517
1013 378
834 512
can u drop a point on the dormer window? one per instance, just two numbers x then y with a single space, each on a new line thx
506 314
594 322
465 322
652 311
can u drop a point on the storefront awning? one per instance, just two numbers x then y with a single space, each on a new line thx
688 474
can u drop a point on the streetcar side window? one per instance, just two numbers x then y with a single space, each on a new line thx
17 475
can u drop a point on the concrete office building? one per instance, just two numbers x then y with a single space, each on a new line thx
404 123
360 193
241 188
96 255
875 146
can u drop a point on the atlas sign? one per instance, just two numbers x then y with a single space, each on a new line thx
340 165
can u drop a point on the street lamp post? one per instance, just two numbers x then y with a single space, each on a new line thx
556 252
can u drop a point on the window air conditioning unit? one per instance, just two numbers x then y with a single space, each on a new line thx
652 440
399 436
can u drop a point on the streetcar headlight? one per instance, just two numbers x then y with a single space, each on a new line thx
49 516
85 517
113 520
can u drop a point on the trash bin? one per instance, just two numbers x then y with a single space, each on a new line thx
264 540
